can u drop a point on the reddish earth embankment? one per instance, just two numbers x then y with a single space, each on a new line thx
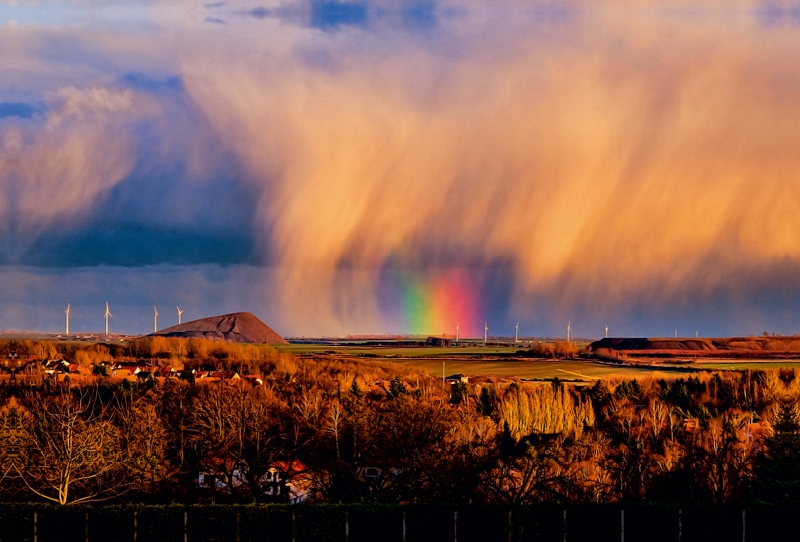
728 347
238 327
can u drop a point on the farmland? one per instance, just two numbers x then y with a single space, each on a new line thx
506 361
537 369
503 361
743 365
399 351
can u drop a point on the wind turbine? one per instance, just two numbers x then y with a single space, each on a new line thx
485 329
606 331
696 334
516 333
457 333
569 328
155 319
676 333
67 313
107 315
179 315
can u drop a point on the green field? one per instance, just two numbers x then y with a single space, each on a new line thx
398 351
740 365
478 360
535 369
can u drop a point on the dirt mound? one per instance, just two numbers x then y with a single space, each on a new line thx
238 327
653 344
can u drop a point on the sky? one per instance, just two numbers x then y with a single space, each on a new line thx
402 167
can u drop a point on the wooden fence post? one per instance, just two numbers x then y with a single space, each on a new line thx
622 525
135 526
680 525
404 527
185 526
565 526
35 526
347 527
744 529
510 527
238 527
86 523
455 526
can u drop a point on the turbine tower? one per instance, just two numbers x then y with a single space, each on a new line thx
569 328
606 331
107 315
516 333
457 333
67 313
180 312
676 333
485 329
155 319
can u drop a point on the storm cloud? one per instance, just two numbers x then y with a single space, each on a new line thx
628 166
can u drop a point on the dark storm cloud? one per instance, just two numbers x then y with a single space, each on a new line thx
17 109
625 168
773 14
143 82
166 193
136 246
330 16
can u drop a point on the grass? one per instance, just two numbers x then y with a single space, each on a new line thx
499 361
738 365
535 369
398 351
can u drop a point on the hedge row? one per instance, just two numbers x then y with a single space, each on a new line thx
357 523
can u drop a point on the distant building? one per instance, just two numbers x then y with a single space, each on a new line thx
438 341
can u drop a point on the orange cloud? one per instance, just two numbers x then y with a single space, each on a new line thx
604 156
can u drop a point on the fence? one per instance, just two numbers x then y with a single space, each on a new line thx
413 523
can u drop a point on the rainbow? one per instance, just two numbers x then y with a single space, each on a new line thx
435 304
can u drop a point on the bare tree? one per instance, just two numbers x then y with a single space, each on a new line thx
523 478
72 452
144 440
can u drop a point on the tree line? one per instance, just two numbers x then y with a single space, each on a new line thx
373 432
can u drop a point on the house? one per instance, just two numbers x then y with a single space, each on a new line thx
438 341
286 481
452 379
53 366
378 476
224 375
129 368
218 473
384 385
254 380
228 377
